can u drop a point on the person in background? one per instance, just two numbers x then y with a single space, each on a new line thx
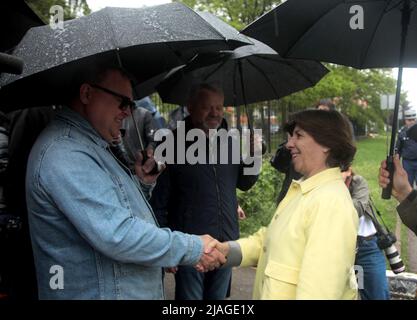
369 256
401 190
201 198
407 148
148 104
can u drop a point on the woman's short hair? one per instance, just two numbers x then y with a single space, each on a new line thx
330 129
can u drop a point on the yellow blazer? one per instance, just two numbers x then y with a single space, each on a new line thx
308 249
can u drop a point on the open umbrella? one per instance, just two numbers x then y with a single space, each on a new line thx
357 33
249 74
16 17
146 42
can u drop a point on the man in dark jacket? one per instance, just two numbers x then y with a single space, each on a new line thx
407 148
201 198
402 191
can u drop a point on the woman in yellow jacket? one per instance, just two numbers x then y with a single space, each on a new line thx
308 249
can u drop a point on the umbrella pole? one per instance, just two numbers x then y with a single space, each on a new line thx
405 20
242 85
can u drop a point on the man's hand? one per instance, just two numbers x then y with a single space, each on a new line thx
171 270
240 213
401 187
143 171
211 258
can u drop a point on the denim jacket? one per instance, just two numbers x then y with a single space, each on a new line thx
94 235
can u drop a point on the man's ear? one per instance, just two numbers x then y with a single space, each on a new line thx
85 93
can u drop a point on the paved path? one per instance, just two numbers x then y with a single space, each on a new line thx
242 284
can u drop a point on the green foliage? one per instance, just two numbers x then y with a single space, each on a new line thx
238 13
357 92
259 203
72 8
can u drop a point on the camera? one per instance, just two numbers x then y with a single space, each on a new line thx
386 242
281 161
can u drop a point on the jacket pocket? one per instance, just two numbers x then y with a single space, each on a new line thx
280 281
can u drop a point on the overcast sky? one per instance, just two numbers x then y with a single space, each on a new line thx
100 4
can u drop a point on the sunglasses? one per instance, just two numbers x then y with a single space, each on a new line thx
124 104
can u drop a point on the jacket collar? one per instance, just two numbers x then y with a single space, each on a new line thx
77 120
318 179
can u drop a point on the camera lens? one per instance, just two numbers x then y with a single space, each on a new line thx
394 259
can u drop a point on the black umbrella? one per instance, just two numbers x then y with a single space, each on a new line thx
357 33
146 41
249 74
16 17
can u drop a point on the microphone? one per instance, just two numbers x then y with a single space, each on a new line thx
10 64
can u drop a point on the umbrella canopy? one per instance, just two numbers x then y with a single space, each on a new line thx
248 74
361 34
146 41
331 31
16 17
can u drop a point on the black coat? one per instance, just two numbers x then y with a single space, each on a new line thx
201 198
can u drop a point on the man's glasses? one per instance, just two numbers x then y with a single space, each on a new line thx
124 104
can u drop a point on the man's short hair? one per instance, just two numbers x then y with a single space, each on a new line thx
195 90
326 102
95 73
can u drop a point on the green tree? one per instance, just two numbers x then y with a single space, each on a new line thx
356 92
238 13
72 8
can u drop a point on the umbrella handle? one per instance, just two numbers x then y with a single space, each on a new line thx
386 192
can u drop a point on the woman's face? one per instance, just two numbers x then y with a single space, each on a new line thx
308 157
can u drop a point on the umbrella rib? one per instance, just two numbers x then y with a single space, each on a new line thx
365 53
210 26
288 62
215 70
291 48
265 76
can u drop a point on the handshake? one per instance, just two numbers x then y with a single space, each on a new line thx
214 255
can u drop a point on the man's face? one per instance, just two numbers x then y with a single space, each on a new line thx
409 122
103 108
206 111
323 107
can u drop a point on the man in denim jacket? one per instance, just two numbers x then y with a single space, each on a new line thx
93 232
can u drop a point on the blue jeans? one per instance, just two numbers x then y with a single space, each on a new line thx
410 166
193 285
372 260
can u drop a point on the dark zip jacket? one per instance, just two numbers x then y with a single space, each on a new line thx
201 198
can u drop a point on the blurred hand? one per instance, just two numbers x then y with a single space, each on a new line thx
171 270
240 213
211 258
401 187
143 171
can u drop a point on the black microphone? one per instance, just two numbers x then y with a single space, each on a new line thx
10 64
